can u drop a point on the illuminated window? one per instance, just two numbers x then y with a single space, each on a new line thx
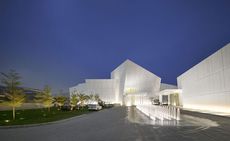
130 90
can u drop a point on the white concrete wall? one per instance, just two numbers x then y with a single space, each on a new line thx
206 86
119 74
141 79
105 88
135 80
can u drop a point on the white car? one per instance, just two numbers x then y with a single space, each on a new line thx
94 107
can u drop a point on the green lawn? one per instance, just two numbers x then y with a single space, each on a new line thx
32 116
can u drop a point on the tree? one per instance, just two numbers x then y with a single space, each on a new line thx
99 101
73 100
91 98
87 98
81 99
60 100
45 98
97 98
14 95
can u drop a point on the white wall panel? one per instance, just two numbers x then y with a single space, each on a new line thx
105 88
226 56
227 79
206 86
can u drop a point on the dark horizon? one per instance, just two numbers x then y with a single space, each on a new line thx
61 43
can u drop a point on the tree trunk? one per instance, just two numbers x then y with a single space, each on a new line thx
13 113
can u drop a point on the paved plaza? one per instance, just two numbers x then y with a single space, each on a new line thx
125 124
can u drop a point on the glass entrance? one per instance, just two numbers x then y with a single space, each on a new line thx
174 99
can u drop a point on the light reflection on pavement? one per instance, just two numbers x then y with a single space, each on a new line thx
136 116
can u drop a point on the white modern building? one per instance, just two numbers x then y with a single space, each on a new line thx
206 86
129 84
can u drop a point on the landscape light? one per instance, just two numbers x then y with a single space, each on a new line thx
7 120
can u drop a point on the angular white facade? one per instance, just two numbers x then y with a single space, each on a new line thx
134 83
129 84
206 86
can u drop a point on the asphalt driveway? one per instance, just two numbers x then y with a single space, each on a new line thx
125 124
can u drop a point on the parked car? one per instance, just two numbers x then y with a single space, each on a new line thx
108 105
94 107
66 107
155 102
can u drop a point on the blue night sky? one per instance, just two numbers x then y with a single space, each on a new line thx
61 43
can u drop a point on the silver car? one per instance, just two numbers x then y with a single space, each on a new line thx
94 107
